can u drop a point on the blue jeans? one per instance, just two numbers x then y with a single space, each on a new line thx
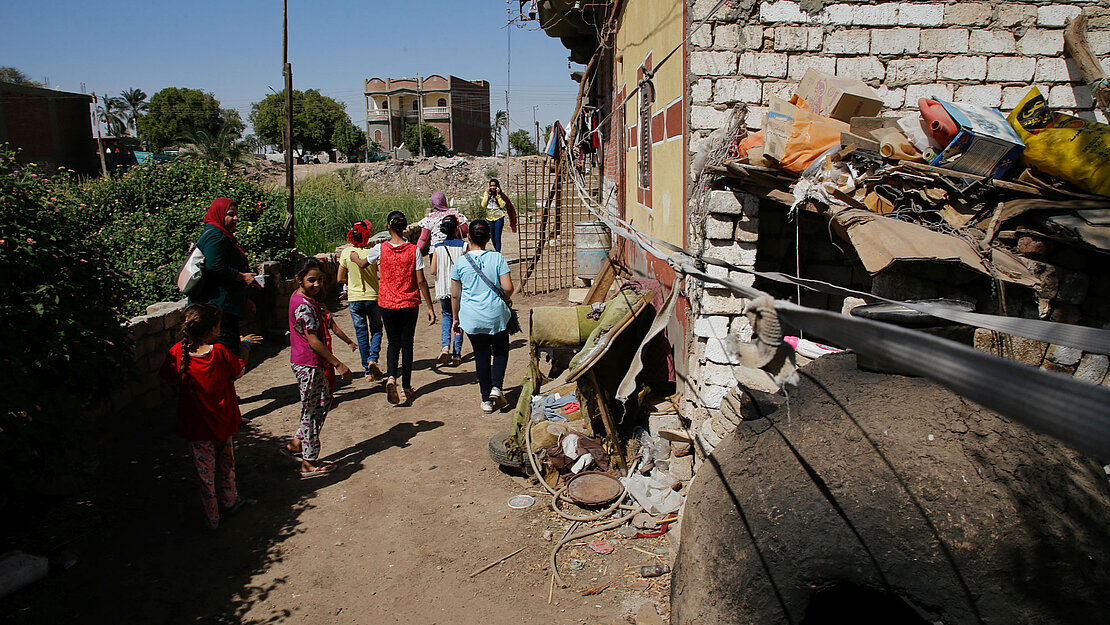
445 332
495 228
368 330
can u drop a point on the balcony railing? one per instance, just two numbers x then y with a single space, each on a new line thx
430 111
377 115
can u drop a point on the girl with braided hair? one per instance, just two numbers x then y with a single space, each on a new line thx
203 371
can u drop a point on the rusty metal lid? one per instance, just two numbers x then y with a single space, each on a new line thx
594 488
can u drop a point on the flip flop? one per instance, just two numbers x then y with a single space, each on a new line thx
391 394
237 506
320 471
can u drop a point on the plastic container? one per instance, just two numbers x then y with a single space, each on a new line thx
940 123
654 570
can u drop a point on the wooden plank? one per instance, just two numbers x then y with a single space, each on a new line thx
610 427
602 283
1075 42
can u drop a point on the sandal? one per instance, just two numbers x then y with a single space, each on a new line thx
391 394
237 506
318 471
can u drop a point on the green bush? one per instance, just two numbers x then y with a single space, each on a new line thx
325 206
151 215
60 316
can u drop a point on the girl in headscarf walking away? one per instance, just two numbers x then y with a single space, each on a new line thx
402 283
444 256
483 313
430 230
227 273
309 359
362 299
498 207
203 372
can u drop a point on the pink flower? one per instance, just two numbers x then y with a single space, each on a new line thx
30 240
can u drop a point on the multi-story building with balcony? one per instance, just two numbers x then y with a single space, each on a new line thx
458 108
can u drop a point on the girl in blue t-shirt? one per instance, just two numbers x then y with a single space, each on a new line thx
482 313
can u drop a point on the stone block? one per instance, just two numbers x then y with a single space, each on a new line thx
717 352
703 38
916 14
896 41
741 328
1099 42
945 41
747 230
901 72
1064 355
707 118
1011 97
740 254
962 68
751 38
729 90
768 65
992 41
1064 369
682 468
848 42
968 14
733 203
1092 368
719 227
757 379
798 37
1010 15
1021 349
717 374
1056 14
1057 70
983 95
136 328
713 325
742 278
1070 97
916 92
1011 69
754 118
800 64
1041 42
881 14
860 68
721 63
726 36
701 91
658 422
715 301
838 14
782 90
892 98
782 11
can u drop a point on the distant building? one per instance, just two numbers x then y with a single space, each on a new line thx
49 127
458 108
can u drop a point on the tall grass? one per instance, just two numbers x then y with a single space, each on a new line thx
325 206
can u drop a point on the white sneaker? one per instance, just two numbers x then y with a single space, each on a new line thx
496 397
487 407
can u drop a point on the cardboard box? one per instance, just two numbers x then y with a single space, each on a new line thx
777 126
986 144
839 98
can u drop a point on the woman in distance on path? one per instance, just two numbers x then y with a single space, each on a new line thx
401 284
227 273
497 207
482 313
430 232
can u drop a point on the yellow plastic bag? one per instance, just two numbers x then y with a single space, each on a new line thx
1071 148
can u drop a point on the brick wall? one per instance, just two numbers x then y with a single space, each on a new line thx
978 52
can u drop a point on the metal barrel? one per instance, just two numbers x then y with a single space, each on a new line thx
591 248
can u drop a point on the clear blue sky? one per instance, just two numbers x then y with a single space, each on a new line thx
233 49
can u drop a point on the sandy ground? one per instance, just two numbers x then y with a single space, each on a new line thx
393 536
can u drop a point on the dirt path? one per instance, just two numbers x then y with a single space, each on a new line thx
392 537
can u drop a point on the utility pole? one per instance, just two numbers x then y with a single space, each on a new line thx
537 124
287 71
508 80
99 143
420 112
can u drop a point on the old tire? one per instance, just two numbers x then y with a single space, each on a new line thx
499 452
881 485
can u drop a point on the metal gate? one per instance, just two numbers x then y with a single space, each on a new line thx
548 208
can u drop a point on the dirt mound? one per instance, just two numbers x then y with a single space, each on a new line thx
891 486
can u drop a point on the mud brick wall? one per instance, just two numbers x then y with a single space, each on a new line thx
154 333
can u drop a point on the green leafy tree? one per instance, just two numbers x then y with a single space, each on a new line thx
433 140
222 147
254 143
500 120
14 76
547 133
134 105
175 112
350 140
315 120
521 141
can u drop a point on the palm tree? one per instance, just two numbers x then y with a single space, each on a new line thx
222 147
500 121
110 113
135 104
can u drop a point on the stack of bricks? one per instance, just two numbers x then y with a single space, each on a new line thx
152 335
977 52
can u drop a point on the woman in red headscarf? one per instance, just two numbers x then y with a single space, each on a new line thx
227 272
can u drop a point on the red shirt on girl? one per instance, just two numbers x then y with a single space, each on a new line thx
207 407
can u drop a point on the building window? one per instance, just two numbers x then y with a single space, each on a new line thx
442 103
378 136
415 104
385 104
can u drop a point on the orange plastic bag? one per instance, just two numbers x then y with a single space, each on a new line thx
810 137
